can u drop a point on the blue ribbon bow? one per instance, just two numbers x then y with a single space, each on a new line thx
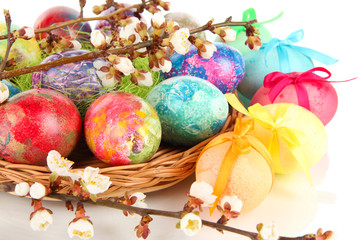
288 42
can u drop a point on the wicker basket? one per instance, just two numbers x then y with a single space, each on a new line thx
168 166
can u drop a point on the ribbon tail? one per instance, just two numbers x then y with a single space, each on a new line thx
275 152
283 57
302 96
222 179
299 156
318 56
235 103
273 19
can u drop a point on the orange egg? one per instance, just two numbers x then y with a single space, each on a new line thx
250 179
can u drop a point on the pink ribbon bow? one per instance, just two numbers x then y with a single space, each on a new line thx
277 81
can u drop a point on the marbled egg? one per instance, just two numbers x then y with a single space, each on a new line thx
24 52
225 69
77 80
122 128
190 109
80 31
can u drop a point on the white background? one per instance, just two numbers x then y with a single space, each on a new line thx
332 202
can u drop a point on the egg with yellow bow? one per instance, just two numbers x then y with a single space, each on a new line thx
295 137
236 163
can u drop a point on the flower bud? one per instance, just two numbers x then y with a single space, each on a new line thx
22 189
37 191
4 92
99 39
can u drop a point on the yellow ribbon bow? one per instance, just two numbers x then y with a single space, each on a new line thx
241 143
293 138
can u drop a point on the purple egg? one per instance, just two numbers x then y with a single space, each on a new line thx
225 69
77 80
105 26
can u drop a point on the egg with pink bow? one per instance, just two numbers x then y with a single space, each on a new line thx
305 89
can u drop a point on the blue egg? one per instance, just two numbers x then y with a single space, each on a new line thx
12 88
225 69
190 109
256 69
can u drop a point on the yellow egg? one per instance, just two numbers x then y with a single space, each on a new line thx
250 179
306 125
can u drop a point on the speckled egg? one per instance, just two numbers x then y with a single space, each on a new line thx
256 68
24 52
77 80
190 109
36 121
122 128
225 69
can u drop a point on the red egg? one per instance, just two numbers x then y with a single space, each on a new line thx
36 121
80 31
322 96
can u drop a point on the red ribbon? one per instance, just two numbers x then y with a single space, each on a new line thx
277 81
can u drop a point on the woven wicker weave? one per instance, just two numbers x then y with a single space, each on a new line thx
168 166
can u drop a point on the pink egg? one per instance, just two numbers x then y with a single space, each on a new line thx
322 96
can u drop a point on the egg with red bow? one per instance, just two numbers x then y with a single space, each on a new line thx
307 89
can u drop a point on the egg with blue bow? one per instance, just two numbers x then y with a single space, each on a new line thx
278 56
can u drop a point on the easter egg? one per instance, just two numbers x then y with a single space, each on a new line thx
77 80
256 69
36 121
80 31
121 128
323 100
190 109
12 88
24 52
185 20
297 133
225 69
105 26
250 179
239 42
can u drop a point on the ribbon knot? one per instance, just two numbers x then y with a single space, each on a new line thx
282 45
277 81
293 138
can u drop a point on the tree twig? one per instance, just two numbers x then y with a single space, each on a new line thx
9 40
97 54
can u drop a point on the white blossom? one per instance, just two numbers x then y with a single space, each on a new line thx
4 92
179 41
235 203
37 191
158 20
148 81
269 232
76 44
140 200
82 228
203 191
58 164
209 50
94 182
165 65
230 34
124 65
41 220
22 189
99 39
190 224
107 79
129 32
